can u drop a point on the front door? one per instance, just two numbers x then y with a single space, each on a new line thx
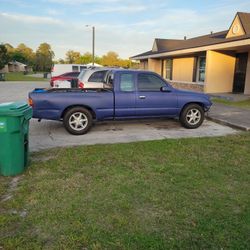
150 100
240 73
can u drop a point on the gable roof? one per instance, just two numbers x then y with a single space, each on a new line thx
17 63
245 21
167 45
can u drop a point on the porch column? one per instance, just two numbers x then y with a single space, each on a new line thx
247 81
219 72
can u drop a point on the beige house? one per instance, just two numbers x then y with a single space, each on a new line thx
16 66
214 63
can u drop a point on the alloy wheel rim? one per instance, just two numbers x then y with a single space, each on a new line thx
78 121
193 116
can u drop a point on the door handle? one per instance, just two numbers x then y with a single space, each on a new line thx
142 97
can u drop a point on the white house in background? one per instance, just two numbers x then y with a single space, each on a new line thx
59 69
16 66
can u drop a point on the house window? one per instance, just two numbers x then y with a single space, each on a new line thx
75 68
201 69
82 68
169 69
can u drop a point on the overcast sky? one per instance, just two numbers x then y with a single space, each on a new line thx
125 26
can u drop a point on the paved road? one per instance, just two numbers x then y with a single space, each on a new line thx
18 91
49 134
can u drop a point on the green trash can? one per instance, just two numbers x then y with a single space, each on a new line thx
14 137
2 77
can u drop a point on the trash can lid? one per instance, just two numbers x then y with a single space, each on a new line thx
13 108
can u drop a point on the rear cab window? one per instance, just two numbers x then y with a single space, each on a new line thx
127 83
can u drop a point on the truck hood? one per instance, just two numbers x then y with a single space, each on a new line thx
195 95
187 93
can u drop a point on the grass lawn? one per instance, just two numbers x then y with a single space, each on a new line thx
240 104
19 76
169 194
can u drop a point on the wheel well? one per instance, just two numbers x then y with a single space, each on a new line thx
82 106
198 103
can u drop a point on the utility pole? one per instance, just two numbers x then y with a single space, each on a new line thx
93 45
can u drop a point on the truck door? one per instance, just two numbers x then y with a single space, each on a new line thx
124 94
150 100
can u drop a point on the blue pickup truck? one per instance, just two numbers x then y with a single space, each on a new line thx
132 94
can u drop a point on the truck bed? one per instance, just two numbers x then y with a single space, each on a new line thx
51 103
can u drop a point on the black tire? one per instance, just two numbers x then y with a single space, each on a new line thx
192 116
78 121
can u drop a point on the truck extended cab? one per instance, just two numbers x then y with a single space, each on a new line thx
133 94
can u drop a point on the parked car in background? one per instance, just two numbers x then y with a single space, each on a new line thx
64 79
59 69
93 78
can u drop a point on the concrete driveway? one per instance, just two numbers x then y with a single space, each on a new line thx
49 134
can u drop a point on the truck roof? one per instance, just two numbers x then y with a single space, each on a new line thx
130 70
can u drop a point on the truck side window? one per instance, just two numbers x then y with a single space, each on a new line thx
149 82
127 82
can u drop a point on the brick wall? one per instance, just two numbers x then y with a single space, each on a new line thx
188 86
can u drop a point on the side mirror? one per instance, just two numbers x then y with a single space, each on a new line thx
165 89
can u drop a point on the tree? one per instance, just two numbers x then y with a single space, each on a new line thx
44 57
86 58
73 56
3 56
98 60
26 52
17 56
9 47
110 59
61 61
125 63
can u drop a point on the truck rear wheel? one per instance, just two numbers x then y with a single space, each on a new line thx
77 121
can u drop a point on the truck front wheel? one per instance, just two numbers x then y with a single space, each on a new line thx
77 121
192 116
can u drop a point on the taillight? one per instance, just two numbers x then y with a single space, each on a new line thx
31 102
80 85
